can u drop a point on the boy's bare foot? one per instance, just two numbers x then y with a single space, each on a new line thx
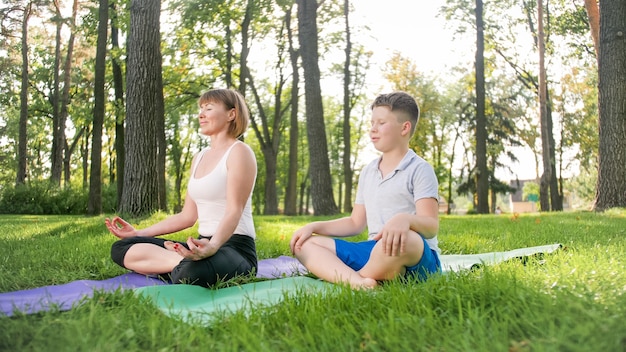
364 284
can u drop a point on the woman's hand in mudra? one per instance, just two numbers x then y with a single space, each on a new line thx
198 248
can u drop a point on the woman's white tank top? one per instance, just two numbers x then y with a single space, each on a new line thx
209 194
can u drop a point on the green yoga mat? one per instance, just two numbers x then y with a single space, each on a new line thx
195 304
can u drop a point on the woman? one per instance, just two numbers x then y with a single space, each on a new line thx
218 197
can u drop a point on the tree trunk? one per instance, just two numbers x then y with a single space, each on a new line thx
319 165
67 158
228 73
85 157
482 174
591 6
118 86
347 109
23 126
56 154
161 143
303 198
144 102
245 47
611 186
267 132
94 205
556 199
291 194
544 186
65 96
269 140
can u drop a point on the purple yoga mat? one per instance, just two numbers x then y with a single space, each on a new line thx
64 297
283 266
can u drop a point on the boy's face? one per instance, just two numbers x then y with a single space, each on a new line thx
386 132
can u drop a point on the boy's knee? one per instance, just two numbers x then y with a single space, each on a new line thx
415 244
306 247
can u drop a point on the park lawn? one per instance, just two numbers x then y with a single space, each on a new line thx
571 300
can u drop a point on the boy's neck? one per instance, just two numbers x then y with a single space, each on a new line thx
390 159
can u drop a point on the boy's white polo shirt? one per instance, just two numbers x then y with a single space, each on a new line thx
413 179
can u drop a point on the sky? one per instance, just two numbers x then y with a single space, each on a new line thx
413 29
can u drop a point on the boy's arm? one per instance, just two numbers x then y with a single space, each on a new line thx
425 222
343 227
426 218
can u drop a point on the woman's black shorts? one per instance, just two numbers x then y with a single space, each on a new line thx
236 257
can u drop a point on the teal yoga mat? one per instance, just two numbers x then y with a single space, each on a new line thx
458 262
195 304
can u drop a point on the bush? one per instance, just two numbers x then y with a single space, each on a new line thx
471 211
43 198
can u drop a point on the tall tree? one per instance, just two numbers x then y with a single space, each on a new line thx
550 195
482 174
544 186
60 99
269 116
144 101
319 164
291 194
593 14
347 110
23 124
94 205
118 86
268 133
611 187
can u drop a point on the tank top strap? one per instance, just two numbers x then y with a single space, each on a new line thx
225 157
197 161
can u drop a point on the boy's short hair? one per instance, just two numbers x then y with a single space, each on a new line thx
232 99
400 102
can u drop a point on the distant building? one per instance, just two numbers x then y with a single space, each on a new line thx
517 203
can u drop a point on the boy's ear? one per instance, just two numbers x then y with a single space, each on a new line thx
406 128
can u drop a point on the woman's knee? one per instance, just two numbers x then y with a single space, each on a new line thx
119 249
207 273
187 272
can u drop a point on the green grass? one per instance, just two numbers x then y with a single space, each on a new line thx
571 300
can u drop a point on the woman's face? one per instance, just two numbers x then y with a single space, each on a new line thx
214 117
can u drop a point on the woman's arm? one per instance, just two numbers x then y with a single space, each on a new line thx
184 219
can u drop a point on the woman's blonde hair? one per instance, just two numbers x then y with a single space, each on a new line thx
231 99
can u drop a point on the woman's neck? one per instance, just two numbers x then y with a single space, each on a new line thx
221 142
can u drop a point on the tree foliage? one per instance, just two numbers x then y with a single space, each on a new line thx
254 46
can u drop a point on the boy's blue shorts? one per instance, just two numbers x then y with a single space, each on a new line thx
356 254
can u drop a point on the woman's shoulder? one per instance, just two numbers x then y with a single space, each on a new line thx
242 147
242 152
